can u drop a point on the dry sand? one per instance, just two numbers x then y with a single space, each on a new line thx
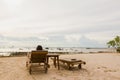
99 66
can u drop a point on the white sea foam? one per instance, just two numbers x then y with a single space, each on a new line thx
7 51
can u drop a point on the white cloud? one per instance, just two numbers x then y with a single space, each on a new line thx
73 38
65 20
103 35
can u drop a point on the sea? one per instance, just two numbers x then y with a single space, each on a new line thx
7 51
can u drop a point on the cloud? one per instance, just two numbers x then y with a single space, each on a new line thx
83 41
59 22
86 42
72 37
21 41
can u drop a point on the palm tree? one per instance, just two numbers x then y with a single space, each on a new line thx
111 43
115 43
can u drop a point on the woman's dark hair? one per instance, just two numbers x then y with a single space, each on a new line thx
39 47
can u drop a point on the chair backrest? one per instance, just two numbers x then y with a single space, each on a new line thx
38 56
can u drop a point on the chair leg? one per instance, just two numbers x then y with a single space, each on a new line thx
46 67
79 66
26 64
30 70
46 70
69 67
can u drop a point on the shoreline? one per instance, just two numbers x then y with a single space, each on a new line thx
25 53
59 50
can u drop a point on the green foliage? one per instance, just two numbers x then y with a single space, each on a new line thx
115 43
118 49
111 43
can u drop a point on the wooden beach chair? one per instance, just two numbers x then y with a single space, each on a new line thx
71 62
39 57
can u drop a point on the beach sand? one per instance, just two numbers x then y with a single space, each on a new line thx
99 66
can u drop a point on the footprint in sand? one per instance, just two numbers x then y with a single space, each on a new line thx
106 69
109 70
102 67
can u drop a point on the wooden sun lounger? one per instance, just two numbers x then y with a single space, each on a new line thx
72 62
37 57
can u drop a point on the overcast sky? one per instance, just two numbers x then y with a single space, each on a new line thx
60 23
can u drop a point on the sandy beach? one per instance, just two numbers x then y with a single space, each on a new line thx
99 66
